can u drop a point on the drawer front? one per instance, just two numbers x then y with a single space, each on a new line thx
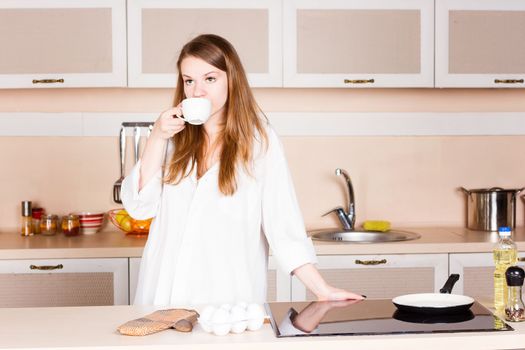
64 282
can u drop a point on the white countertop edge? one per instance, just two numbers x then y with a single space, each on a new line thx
95 328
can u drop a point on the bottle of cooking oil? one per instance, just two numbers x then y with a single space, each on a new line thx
505 255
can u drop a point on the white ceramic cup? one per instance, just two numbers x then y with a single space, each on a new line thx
196 110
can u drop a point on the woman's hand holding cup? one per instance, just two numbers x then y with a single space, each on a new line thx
167 125
195 111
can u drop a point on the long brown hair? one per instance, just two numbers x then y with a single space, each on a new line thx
242 122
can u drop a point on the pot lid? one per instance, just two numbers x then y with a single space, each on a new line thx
492 190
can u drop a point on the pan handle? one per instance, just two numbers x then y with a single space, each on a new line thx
449 284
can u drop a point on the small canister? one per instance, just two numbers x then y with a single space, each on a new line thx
71 225
26 229
49 224
37 216
515 309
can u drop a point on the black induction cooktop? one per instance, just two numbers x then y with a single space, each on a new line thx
373 317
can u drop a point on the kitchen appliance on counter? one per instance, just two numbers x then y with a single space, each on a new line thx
491 208
373 317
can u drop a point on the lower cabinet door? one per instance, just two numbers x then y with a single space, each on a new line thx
278 283
134 268
379 276
63 282
477 274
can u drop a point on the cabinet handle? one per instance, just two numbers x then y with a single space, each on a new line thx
521 259
359 81
508 81
370 262
47 81
46 267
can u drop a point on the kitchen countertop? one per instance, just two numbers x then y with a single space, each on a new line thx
115 244
95 328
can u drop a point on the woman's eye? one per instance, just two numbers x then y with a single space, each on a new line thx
211 79
188 82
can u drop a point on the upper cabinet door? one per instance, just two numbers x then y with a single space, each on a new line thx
157 30
480 43
356 43
62 43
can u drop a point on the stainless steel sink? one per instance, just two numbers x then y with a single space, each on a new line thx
361 236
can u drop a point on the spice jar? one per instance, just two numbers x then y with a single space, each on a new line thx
71 225
26 229
37 216
49 225
515 309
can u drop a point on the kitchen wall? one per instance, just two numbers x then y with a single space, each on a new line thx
409 180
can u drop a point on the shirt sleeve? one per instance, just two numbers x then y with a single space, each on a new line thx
141 204
281 217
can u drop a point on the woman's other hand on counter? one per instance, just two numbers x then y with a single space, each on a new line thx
313 280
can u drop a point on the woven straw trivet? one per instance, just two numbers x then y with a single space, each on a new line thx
159 321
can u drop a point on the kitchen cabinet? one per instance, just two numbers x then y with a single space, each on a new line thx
158 29
380 276
63 282
480 43
355 43
477 274
55 43
134 268
278 282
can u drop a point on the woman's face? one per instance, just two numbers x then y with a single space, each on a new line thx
201 79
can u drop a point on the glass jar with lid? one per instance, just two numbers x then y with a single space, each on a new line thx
37 216
71 225
48 224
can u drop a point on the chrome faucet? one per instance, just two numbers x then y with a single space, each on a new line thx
347 218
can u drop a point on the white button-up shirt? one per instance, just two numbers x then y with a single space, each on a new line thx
208 248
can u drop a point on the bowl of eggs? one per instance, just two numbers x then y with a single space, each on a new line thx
226 318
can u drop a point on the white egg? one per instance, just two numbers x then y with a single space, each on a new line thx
239 319
205 318
221 329
239 327
254 311
220 316
205 325
255 324
238 313
255 316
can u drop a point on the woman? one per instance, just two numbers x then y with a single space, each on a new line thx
219 192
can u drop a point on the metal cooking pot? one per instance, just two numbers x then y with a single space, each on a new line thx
489 209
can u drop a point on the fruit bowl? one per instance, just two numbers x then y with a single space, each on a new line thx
121 219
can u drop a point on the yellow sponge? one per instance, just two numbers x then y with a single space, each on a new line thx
376 225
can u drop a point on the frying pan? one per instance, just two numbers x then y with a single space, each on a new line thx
435 303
